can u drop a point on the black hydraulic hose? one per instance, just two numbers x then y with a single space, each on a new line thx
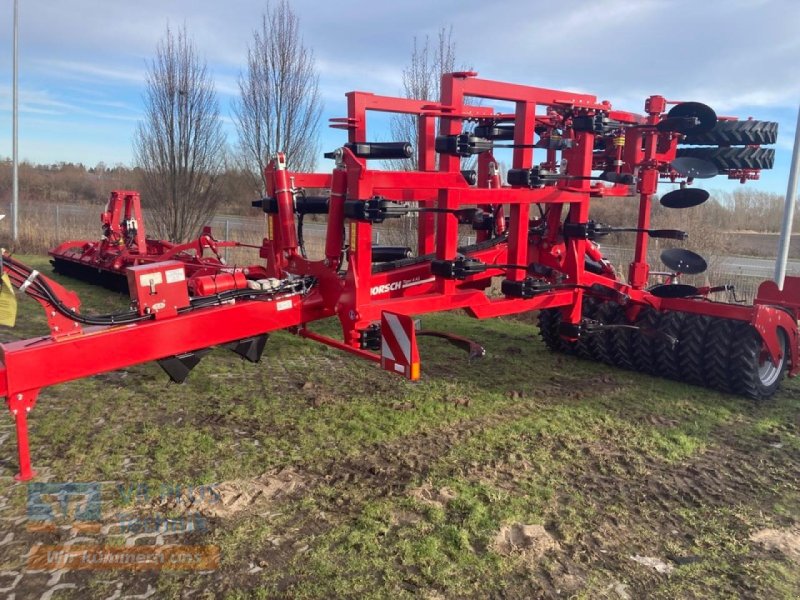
39 288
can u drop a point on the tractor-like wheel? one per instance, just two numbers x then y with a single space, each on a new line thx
549 321
751 370
732 158
735 133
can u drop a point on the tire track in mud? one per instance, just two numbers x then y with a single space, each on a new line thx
733 477
385 470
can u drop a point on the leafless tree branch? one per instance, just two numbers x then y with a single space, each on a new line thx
180 145
279 106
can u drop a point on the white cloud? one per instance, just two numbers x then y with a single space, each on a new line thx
739 56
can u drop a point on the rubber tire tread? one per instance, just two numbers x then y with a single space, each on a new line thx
719 343
667 357
735 133
744 362
622 348
691 355
601 342
583 348
732 158
644 346
549 321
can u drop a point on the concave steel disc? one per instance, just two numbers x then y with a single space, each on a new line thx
683 261
684 198
674 290
687 166
703 113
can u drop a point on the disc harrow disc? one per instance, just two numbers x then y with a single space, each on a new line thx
684 198
697 168
705 115
674 290
683 261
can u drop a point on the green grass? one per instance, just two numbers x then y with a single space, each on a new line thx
608 461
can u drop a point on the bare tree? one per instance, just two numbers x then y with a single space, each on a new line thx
280 107
422 80
180 145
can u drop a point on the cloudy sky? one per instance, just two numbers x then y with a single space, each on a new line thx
82 62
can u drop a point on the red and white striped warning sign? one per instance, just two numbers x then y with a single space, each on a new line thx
399 352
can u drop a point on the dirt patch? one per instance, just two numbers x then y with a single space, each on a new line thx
230 498
785 541
654 563
428 495
532 541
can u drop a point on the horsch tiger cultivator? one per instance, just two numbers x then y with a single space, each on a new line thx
533 237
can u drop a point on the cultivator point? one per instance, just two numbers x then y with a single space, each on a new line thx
533 236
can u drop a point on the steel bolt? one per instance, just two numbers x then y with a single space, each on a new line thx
19 396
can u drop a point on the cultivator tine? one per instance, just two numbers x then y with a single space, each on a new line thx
684 198
250 349
684 261
179 366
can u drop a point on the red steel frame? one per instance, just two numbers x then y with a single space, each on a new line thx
348 287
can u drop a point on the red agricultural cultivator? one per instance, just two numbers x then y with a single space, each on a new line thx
124 244
533 235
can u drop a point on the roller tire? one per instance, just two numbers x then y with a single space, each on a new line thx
644 346
583 347
732 158
691 355
601 343
667 357
549 321
622 343
751 373
735 133
718 346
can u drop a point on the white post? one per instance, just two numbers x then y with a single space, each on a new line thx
15 132
788 210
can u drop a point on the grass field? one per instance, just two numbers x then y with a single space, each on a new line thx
522 475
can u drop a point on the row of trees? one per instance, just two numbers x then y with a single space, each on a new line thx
180 146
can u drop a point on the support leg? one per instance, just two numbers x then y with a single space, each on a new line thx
23 449
20 404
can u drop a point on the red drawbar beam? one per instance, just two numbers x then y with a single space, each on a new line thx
104 349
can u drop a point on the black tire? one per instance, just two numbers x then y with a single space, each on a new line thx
667 355
691 357
622 349
549 321
583 348
751 373
735 133
644 344
718 346
732 158
601 343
